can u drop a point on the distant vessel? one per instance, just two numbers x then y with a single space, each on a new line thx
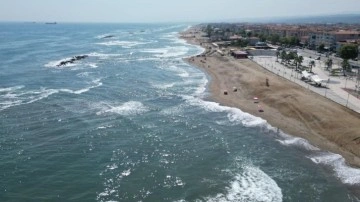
51 23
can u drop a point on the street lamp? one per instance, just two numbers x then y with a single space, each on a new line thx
346 79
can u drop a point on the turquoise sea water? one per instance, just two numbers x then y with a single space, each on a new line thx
133 122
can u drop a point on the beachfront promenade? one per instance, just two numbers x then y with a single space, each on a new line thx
332 88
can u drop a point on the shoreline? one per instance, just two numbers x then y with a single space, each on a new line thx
291 108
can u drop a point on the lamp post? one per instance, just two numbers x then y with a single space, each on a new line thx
346 79
327 86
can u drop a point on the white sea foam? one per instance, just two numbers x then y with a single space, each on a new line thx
93 65
126 173
104 127
181 71
175 110
251 185
10 89
164 86
200 90
184 74
296 141
104 55
345 173
171 181
234 115
94 84
124 44
128 108
56 63
18 96
83 74
110 185
168 52
112 167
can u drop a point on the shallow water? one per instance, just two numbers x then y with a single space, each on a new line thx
132 122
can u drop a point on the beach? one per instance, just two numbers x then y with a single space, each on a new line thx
291 108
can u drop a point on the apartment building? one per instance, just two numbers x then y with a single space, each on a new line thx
330 39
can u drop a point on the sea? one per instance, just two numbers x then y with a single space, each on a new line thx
132 121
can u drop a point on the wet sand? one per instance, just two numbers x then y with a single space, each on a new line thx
293 109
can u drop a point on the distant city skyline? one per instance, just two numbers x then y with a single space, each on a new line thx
167 11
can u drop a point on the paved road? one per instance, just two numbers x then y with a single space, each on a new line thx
336 60
332 88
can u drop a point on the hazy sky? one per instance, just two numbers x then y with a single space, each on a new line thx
166 10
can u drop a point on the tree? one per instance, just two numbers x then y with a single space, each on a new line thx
321 47
277 55
298 60
241 43
293 41
242 33
311 64
209 30
274 39
292 55
283 55
345 65
248 34
262 37
288 57
329 63
284 40
349 52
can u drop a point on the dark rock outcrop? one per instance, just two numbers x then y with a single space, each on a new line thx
72 60
108 36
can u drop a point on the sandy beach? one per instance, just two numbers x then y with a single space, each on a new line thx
293 109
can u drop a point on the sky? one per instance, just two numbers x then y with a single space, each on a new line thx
167 10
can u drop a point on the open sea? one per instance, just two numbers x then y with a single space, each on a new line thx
133 122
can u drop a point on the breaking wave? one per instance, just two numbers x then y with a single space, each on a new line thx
336 162
251 185
14 96
168 52
124 44
234 115
126 109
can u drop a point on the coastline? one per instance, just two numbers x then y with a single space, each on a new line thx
291 108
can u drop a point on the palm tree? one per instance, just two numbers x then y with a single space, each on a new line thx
311 64
328 63
283 55
298 60
288 58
